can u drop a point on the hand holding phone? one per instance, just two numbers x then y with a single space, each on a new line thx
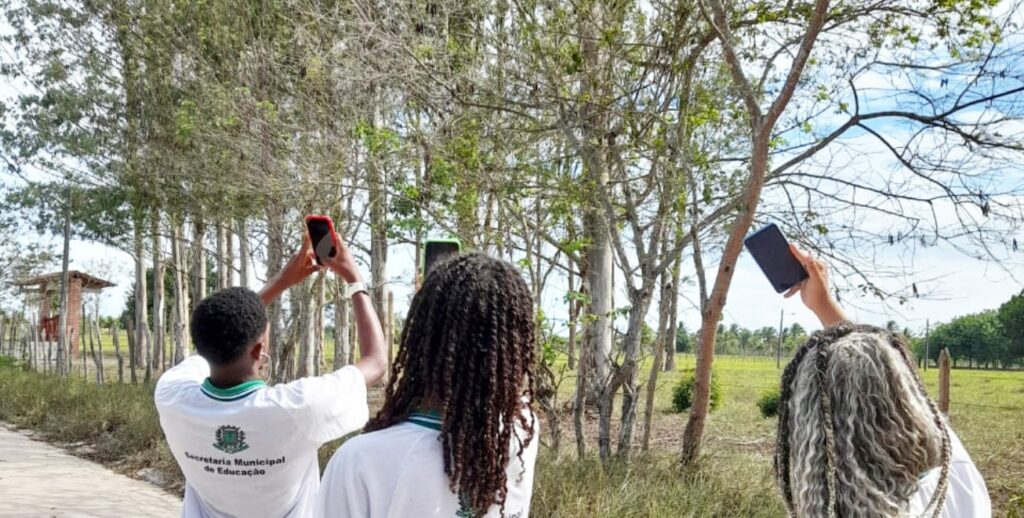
321 235
814 291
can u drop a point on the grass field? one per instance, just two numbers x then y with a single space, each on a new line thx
732 479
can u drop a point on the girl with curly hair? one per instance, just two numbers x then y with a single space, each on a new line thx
857 434
456 436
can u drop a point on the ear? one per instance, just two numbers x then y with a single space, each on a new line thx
256 350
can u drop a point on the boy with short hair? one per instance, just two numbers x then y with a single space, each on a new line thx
247 449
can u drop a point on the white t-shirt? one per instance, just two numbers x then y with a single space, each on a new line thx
966 494
251 450
398 472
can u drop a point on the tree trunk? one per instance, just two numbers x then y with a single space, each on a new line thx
97 356
181 302
673 315
275 250
223 277
389 329
132 347
665 303
114 332
694 432
583 369
62 329
141 320
229 253
320 288
157 349
198 259
639 304
341 326
244 255
304 322
571 342
599 274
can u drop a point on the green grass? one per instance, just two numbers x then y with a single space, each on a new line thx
732 479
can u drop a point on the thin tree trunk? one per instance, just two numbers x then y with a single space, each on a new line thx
275 250
389 332
640 303
82 348
62 331
244 255
222 253
318 338
354 339
141 320
229 253
664 310
97 357
114 332
305 322
583 368
181 302
158 296
198 259
571 342
132 347
341 326
673 325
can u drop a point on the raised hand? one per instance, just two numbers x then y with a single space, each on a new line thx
343 263
814 290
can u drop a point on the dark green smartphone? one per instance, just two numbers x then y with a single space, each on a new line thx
436 251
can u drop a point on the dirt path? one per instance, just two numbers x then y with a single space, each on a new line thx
37 479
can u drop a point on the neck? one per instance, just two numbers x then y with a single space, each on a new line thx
431 404
228 376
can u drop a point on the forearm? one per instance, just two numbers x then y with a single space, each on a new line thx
273 289
829 313
372 352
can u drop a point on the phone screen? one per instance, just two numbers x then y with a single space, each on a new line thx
771 251
320 236
436 252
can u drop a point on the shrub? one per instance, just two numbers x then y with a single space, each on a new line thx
682 393
768 403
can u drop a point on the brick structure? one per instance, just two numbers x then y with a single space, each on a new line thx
47 287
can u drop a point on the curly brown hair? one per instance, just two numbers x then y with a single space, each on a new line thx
468 344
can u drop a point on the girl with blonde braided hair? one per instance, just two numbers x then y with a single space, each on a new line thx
857 434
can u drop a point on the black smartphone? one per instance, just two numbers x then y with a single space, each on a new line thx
436 251
771 251
321 235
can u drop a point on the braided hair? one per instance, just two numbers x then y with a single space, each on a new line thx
856 427
468 344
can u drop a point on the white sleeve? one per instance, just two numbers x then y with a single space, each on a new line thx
326 407
191 371
967 495
343 493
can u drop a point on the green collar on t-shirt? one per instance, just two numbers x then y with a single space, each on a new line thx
233 393
426 418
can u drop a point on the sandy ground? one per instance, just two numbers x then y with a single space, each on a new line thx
37 479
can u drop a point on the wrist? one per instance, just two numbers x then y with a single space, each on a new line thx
829 313
349 276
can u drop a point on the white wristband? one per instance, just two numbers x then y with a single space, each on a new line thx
352 289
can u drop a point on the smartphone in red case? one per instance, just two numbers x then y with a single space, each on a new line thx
321 234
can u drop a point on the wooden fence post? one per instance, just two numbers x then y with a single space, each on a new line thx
944 381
